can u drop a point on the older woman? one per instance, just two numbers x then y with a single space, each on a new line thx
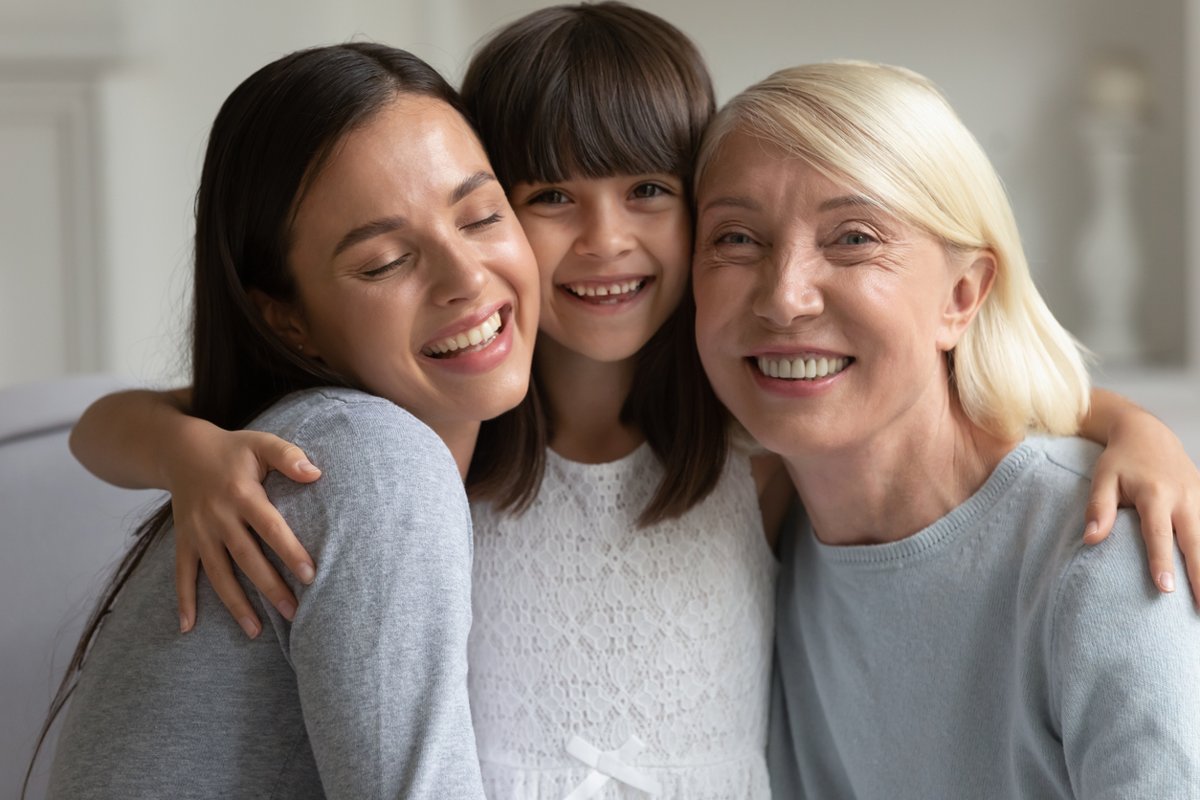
864 309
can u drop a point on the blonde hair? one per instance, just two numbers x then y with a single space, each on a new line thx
889 132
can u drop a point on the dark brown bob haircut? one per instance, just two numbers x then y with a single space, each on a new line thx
595 91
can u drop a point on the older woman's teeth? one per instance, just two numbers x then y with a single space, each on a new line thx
611 290
801 368
479 336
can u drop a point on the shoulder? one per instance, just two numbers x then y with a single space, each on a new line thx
1100 593
379 464
336 424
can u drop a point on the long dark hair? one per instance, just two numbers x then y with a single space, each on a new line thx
594 91
268 142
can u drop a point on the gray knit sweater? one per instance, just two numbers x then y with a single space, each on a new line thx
363 695
991 655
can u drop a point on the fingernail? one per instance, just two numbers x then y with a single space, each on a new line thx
249 626
184 624
287 608
304 465
1166 581
1089 533
306 573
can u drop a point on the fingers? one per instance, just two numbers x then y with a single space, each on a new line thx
1160 543
270 526
254 565
288 459
219 570
1187 535
1101 511
186 566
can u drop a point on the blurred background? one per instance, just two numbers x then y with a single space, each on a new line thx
1088 108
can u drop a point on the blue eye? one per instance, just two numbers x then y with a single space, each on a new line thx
856 238
735 237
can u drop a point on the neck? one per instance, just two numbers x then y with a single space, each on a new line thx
584 399
899 482
460 440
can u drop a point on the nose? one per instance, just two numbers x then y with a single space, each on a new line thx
460 275
789 289
606 231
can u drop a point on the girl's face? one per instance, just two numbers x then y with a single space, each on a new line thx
413 276
822 320
613 254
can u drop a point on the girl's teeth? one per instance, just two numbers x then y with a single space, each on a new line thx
801 368
609 290
481 334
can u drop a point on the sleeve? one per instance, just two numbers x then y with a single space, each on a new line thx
379 639
1126 673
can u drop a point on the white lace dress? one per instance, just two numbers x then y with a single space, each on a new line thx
609 661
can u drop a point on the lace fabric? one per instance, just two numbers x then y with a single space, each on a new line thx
588 626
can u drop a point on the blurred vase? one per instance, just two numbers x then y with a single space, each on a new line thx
1111 264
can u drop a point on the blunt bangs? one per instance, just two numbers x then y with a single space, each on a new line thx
602 94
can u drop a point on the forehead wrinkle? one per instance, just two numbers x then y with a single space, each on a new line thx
732 201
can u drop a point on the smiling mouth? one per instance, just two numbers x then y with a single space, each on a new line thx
800 368
606 293
468 341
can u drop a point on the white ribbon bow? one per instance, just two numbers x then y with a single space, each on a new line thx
610 765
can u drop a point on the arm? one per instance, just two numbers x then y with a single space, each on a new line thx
121 438
378 642
1145 466
143 439
1125 666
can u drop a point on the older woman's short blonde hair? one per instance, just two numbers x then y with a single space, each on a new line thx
890 133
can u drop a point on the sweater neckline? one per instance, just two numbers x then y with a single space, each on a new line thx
942 531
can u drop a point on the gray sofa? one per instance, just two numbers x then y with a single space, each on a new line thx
62 532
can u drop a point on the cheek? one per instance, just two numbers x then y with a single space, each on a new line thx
546 243
716 312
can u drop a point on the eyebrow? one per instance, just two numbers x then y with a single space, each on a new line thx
470 184
849 200
378 227
362 233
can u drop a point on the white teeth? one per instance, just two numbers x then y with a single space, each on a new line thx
480 335
591 290
801 368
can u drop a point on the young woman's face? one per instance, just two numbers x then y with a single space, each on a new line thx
821 318
414 277
613 254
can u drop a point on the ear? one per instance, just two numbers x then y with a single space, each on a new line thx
286 320
966 298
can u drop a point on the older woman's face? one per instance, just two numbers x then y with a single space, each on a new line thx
821 319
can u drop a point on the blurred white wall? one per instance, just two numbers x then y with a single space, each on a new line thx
1014 71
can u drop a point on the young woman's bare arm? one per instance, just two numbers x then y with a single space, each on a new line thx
145 439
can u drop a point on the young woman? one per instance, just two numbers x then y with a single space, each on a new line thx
344 201
864 309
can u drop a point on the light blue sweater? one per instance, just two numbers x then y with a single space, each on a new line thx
991 655
363 695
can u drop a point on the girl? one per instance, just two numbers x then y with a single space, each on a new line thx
344 200
623 581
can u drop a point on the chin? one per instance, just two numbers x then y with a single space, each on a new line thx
505 396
